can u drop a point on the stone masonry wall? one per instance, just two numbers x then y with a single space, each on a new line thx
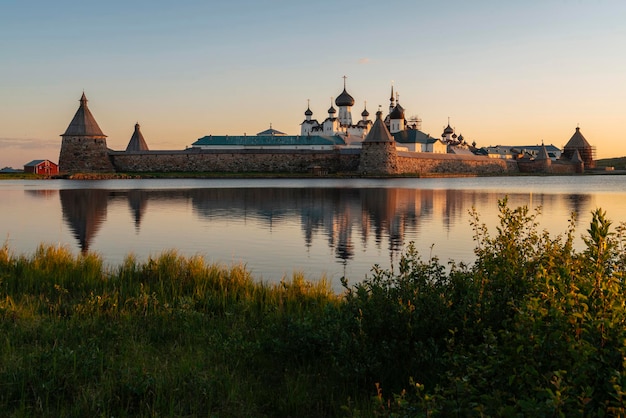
428 163
379 158
294 161
84 155
556 167
291 161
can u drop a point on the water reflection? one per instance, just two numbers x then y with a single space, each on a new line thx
138 203
578 203
350 219
84 212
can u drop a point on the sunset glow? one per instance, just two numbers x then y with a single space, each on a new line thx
504 73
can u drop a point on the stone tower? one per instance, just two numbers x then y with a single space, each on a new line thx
378 151
83 145
585 151
543 161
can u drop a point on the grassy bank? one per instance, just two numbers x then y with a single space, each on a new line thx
532 328
21 176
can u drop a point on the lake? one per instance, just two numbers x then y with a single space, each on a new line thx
331 227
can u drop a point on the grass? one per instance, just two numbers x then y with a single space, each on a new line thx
21 176
171 336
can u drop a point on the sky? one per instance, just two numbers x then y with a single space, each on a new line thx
503 72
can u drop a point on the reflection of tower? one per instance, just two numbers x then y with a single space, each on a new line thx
396 233
345 247
381 207
84 210
578 203
138 201
46 194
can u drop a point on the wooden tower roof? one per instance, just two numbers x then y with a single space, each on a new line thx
577 141
137 143
379 132
83 123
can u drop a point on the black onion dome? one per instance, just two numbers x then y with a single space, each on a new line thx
308 112
448 130
332 110
397 113
344 99
365 113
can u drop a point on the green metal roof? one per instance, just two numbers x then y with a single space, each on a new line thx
413 136
267 140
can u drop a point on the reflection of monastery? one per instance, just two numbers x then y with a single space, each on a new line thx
345 219
388 146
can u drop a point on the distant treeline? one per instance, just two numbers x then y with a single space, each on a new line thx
618 163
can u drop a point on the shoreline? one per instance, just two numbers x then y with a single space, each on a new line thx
269 175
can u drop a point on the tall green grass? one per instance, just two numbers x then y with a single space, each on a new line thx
171 336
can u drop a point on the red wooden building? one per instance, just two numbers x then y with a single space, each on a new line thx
41 167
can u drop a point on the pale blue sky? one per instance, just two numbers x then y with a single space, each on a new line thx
504 72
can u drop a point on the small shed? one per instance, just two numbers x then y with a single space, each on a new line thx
46 167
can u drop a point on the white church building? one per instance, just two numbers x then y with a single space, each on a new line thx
338 130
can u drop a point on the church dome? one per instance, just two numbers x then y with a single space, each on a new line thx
308 112
365 113
332 110
397 112
344 99
448 130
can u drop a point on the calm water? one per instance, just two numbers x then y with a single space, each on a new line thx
331 227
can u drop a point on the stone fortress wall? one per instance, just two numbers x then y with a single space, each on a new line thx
302 162
429 163
240 161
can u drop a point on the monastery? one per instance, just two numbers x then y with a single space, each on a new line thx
389 145
338 130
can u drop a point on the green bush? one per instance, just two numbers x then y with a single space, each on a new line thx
547 335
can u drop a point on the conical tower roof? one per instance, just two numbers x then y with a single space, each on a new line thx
83 123
576 157
577 141
137 143
379 131
543 153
